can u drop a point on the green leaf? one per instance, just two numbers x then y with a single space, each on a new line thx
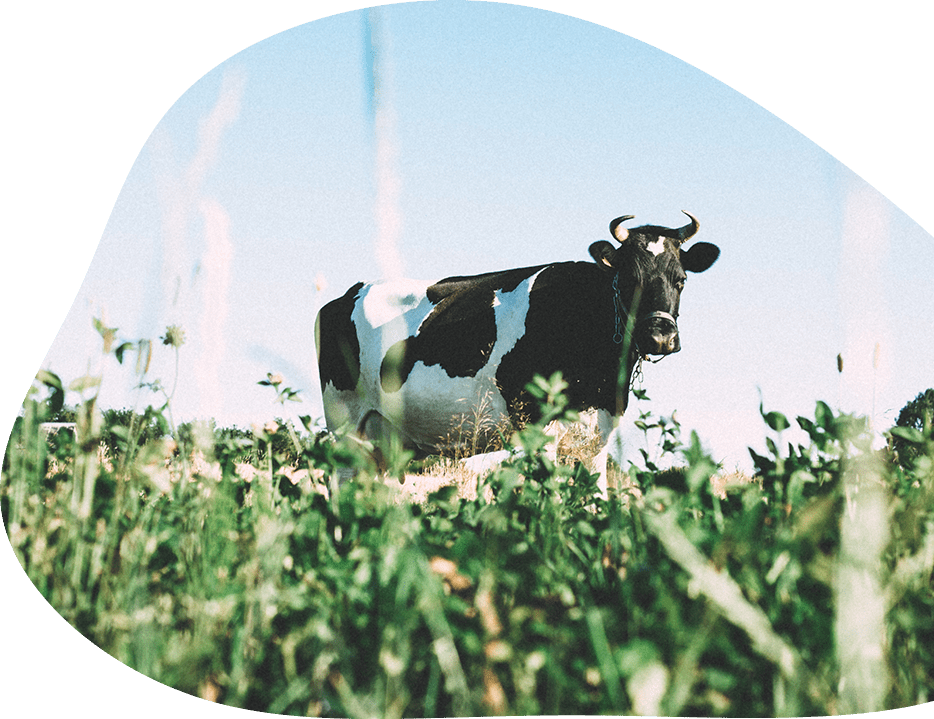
770 443
119 430
776 421
443 495
162 423
823 415
909 434
604 654
637 654
762 464
807 425
49 379
118 353
56 391
102 329
86 382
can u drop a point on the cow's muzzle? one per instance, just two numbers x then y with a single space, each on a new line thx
658 334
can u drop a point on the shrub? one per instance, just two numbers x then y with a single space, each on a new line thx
914 417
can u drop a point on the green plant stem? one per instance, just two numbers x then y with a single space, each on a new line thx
727 596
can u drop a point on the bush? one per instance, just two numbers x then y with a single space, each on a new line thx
913 418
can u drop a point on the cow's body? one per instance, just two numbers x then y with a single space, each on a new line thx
444 364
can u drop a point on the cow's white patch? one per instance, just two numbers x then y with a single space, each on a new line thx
383 302
432 409
480 464
656 247
441 410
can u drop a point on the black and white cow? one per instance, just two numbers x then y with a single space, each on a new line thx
425 359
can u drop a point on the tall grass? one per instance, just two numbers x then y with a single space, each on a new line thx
225 564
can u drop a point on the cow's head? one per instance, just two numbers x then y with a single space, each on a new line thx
649 269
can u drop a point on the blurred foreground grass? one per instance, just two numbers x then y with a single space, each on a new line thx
228 565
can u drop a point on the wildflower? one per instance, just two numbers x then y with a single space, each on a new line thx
246 472
293 475
174 336
275 379
260 430
202 467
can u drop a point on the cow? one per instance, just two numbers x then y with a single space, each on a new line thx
422 361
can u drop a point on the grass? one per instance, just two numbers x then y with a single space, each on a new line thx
226 564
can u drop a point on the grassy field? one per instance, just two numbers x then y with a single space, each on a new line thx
228 564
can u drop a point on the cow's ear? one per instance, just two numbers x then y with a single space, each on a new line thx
602 253
700 257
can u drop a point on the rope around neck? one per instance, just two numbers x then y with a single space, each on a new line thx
621 312
622 318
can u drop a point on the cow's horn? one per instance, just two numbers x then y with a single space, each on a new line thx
689 230
620 233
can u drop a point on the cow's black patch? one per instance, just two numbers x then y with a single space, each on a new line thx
460 332
569 328
339 357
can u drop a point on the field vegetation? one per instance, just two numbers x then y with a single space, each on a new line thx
229 564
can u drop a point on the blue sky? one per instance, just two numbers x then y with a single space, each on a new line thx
518 134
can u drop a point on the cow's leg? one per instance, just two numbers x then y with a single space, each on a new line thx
556 430
373 433
385 437
607 429
610 443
